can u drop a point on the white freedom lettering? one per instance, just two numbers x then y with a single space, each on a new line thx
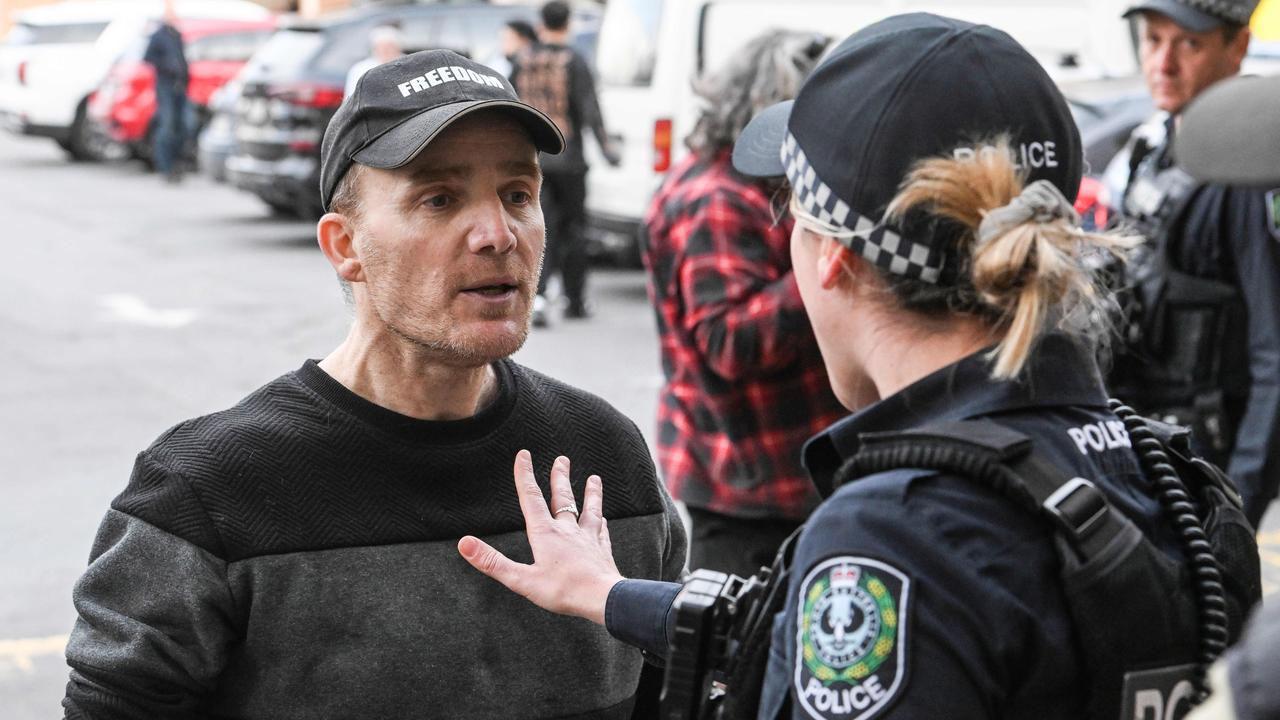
441 75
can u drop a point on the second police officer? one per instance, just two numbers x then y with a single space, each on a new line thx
932 163
1203 342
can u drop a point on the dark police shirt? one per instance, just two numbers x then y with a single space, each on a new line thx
1232 235
917 595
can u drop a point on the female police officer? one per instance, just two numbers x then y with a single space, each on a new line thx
946 280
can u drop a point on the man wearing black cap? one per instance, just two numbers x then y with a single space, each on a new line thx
1203 343
293 556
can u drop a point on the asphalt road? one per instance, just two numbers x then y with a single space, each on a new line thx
130 305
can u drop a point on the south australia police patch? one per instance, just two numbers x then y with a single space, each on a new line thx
851 638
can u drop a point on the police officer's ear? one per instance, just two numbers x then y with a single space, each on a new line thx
335 233
837 264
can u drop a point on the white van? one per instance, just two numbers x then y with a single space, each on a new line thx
56 55
650 50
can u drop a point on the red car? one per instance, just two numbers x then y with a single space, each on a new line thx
216 50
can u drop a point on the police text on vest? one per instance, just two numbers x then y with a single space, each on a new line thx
1100 436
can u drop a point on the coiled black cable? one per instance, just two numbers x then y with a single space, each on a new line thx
1179 507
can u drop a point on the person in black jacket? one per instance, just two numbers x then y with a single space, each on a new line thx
554 78
166 52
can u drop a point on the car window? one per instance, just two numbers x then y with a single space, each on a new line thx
286 52
348 45
52 34
628 38
226 47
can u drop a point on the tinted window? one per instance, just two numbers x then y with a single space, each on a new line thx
628 39
285 53
226 47
348 45
24 34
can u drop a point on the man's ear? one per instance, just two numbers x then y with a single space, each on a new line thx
1238 48
335 233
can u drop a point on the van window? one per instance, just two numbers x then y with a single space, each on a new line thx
625 53
32 34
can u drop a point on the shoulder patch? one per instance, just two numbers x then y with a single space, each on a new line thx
1273 213
851 638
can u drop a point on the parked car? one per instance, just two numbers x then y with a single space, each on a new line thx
650 50
294 83
124 106
56 55
217 141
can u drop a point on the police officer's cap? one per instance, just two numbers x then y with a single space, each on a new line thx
399 107
1198 15
1231 133
907 88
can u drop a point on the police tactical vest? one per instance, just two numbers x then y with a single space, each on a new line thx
1147 626
1180 359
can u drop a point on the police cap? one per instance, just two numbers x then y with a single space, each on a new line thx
1198 15
904 89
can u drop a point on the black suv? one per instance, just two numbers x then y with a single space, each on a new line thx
293 85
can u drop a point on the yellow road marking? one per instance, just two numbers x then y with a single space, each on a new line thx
22 651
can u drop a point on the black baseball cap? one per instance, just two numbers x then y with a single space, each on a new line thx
901 90
1198 15
399 107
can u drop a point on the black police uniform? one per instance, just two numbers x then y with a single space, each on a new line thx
1208 353
949 591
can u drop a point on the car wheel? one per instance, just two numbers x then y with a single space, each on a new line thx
79 145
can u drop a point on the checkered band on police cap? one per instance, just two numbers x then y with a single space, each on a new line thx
866 236
1233 11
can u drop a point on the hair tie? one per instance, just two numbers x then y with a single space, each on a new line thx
1041 202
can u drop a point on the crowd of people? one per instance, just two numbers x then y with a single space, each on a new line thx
888 350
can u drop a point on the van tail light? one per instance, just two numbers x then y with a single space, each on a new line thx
661 145
22 73
312 95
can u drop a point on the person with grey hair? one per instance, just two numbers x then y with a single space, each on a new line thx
385 45
735 338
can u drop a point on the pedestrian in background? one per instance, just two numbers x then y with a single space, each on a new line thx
515 38
1203 346
745 385
385 45
554 78
166 53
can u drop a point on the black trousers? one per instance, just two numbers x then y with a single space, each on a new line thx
564 198
738 546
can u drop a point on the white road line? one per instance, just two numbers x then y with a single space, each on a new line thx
132 309
22 651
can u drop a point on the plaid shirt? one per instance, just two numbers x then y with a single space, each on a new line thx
745 385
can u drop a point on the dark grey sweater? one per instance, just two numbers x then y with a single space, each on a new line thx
295 557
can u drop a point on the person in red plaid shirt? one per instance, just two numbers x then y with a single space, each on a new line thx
745 384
